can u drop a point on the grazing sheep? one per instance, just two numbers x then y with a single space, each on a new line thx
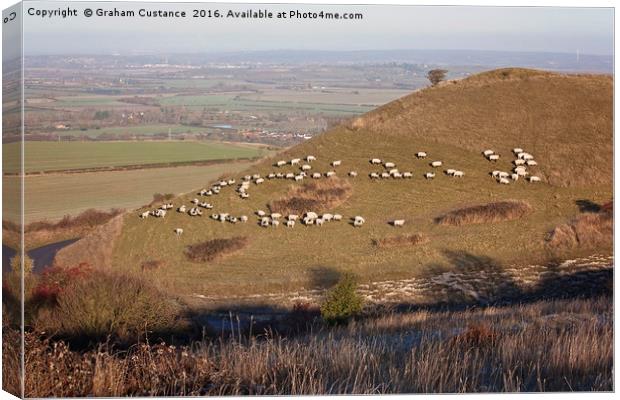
436 164
458 174
231 181
264 222
353 174
306 167
224 216
329 174
290 175
256 176
290 223
275 223
487 153
375 161
181 209
534 179
397 175
144 215
503 175
374 175
280 163
517 150
311 215
531 163
450 171
316 175
319 222
504 181
310 158
421 154
493 157
259 181
178 231
223 183
195 201
275 215
244 195
279 175
515 177
358 221
496 173
299 178
393 171
524 156
213 216
398 222
337 217
233 220
336 163
407 175
385 175
295 161
293 217
160 213
271 176
389 165
327 217
261 213
243 218
209 193
308 221
429 175
519 162
202 192
247 178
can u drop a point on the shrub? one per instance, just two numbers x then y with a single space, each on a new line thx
484 213
159 198
400 240
111 305
342 301
313 196
89 218
588 230
215 248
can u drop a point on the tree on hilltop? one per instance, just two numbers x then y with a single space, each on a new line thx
436 76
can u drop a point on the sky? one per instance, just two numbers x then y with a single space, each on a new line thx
537 29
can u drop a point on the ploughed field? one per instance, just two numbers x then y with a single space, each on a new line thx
276 259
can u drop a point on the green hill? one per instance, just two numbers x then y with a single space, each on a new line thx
565 121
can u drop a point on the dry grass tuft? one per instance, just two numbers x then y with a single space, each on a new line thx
151 265
400 241
485 213
215 248
588 230
313 196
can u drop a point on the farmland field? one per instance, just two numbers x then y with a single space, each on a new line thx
133 130
52 196
49 156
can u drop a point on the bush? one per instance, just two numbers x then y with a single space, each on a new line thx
313 196
110 305
400 241
215 248
492 212
342 301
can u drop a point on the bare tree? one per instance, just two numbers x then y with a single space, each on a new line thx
436 75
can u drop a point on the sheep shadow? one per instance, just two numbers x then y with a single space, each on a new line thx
587 206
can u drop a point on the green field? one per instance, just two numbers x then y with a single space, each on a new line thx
50 197
56 156
141 130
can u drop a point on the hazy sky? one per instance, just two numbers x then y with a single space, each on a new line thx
587 30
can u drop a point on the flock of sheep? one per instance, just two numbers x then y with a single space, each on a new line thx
522 161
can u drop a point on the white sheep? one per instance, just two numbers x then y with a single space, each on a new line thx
308 221
295 161
337 217
144 215
275 215
429 175
181 209
243 218
517 150
407 174
393 171
213 216
496 173
389 165
336 163
503 174
259 181
264 222
290 223
353 174
280 163
311 215
327 217
493 157
316 175
375 161
421 154
310 158
255 176
178 231
487 153
275 223
504 181
374 175
385 175
290 175
534 178
515 177
436 164
244 195
261 213
358 221
271 176
319 222
329 174
249 177
293 217
398 222
299 178
532 163
279 175
518 162
458 174
450 171
306 167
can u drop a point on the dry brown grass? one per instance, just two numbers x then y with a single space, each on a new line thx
588 230
215 248
319 197
487 111
492 212
151 265
545 346
400 241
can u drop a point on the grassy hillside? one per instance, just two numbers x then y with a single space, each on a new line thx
453 123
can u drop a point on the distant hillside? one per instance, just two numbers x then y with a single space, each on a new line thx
566 121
